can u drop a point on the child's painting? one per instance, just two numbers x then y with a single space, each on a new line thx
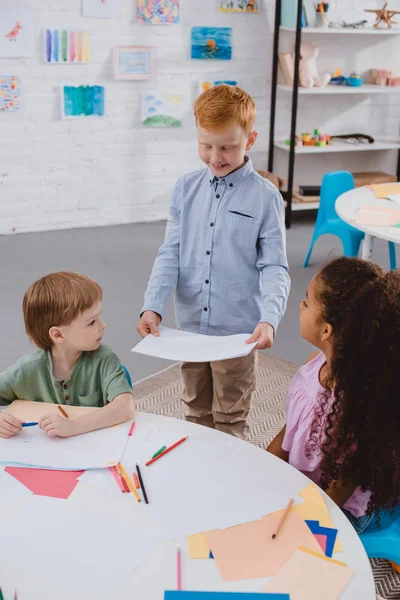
206 85
251 6
157 12
82 101
17 30
162 110
134 62
101 9
212 42
66 46
10 94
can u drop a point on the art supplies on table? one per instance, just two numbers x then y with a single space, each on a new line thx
178 569
377 216
125 477
174 344
283 518
159 454
326 536
307 576
141 484
44 482
30 424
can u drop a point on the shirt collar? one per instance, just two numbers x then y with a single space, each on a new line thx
236 177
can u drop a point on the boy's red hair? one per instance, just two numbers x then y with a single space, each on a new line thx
222 105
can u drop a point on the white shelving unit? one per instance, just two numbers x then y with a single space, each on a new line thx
380 144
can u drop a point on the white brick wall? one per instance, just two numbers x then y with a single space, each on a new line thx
60 174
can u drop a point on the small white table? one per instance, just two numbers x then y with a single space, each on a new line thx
157 572
348 203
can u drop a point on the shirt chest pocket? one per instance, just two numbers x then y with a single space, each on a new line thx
90 400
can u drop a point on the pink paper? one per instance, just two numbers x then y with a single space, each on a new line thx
321 539
44 482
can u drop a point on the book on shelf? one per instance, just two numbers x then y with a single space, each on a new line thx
309 190
287 67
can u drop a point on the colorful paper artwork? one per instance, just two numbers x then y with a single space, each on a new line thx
101 9
134 62
206 85
157 12
83 101
251 6
162 110
66 46
212 43
42 482
10 94
16 30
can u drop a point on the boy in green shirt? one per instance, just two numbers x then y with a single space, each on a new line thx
62 314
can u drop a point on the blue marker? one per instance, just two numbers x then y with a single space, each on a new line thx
29 424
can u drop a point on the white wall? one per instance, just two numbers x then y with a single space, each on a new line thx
59 174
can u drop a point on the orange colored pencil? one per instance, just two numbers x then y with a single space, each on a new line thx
124 474
62 411
282 519
136 481
125 484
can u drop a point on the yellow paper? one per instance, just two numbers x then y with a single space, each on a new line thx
25 410
333 560
381 190
315 509
198 547
248 551
306 577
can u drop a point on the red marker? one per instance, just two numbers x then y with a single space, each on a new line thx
150 462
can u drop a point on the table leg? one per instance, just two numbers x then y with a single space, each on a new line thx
367 246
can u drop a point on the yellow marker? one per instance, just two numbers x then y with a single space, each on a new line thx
129 482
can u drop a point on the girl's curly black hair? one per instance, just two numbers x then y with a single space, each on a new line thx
360 427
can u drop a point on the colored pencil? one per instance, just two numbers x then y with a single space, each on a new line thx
30 424
129 482
62 411
150 462
1 595
132 428
136 481
117 479
125 484
178 570
142 484
159 451
282 519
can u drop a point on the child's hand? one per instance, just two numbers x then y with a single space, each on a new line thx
264 333
9 425
57 425
149 323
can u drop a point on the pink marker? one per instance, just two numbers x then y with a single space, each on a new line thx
132 428
178 570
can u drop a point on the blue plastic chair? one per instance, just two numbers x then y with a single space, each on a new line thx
333 185
383 541
127 376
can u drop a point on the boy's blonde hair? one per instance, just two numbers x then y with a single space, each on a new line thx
223 104
54 300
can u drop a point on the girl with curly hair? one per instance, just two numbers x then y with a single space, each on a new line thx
342 414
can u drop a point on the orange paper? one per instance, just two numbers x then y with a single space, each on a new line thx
307 577
248 551
382 190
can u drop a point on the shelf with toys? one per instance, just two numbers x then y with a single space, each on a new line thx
301 77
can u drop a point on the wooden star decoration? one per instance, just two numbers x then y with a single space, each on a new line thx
384 15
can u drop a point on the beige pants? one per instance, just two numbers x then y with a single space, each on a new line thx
218 394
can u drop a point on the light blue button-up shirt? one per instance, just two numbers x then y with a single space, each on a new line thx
224 254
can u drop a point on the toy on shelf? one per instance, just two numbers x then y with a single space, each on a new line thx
306 139
321 14
354 80
308 71
384 78
337 78
383 15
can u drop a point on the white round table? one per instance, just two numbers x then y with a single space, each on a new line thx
156 573
348 203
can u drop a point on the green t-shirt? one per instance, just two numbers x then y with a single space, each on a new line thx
96 379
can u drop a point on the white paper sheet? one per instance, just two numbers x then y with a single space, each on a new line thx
9 486
394 198
194 347
93 450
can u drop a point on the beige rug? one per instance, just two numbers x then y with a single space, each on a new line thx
160 394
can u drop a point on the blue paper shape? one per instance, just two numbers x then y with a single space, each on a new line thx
174 595
330 533
211 555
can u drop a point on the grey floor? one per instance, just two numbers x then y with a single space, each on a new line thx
120 259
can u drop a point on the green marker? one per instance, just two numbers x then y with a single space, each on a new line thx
1 595
154 455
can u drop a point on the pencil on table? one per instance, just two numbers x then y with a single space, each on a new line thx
1 595
125 484
132 429
142 484
150 462
136 481
129 482
282 519
178 570
117 479
62 411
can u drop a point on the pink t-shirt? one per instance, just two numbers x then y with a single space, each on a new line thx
300 404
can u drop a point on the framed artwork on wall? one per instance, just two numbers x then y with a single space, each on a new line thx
134 62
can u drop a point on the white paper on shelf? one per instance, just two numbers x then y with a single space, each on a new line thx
173 344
